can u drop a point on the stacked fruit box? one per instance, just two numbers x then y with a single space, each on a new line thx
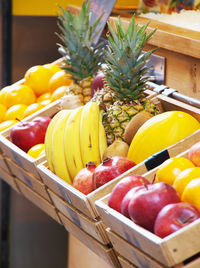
138 247
23 172
77 210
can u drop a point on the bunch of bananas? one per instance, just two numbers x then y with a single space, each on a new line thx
74 138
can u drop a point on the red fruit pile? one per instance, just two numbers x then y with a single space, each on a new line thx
92 177
156 207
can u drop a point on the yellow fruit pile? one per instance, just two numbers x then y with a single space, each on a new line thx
74 138
184 176
42 85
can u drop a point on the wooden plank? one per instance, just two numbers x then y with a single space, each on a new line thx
3 164
8 179
187 41
125 263
134 255
102 251
29 179
20 157
178 64
95 228
38 200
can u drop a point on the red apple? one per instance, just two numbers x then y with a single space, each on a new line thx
83 180
194 154
122 187
43 120
111 168
148 200
173 217
27 134
98 82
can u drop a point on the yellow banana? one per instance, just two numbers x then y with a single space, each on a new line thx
48 139
58 154
71 142
102 136
89 133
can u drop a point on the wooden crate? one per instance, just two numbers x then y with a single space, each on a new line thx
105 252
93 227
29 179
38 200
85 203
8 178
169 251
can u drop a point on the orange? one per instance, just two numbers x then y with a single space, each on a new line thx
3 93
191 194
34 107
3 111
36 150
19 94
6 124
45 102
170 169
58 93
15 112
45 96
185 177
59 79
54 68
37 77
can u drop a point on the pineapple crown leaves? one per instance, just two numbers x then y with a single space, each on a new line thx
125 60
77 35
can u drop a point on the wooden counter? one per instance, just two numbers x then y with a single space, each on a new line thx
181 48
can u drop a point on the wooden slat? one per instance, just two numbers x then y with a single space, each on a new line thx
3 164
131 253
29 179
94 228
187 41
102 251
125 263
9 179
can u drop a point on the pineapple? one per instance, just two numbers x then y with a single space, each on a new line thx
82 59
124 77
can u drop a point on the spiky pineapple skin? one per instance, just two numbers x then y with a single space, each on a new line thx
82 89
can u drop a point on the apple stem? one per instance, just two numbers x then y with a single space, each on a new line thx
154 178
145 185
187 219
106 160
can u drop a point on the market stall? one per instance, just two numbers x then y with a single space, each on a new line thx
86 129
